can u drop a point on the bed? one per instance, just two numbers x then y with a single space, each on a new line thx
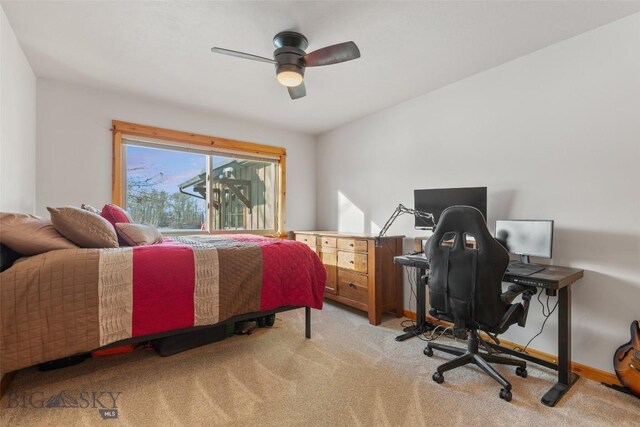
70 301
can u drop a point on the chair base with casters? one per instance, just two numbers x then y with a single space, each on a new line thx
482 360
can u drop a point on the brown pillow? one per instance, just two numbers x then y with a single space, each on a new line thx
30 234
138 234
84 228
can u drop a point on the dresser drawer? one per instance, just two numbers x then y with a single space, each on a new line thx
352 261
329 257
328 242
352 290
348 278
352 245
308 239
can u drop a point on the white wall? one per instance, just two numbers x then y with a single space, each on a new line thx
553 135
17 125
74 145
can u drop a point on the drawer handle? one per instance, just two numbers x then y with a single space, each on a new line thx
351 285
350 262
351 244
326 243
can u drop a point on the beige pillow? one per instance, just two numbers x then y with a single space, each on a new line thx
84 228
30 234
138 234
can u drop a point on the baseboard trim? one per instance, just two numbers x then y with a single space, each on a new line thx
581 369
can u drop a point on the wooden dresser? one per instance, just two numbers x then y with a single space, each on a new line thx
359 273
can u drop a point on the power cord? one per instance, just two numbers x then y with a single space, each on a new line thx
432 335
549 311
409 323
412 285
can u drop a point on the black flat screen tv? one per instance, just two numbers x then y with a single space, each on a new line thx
437 200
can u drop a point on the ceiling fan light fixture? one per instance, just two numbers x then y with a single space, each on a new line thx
289 75
289 78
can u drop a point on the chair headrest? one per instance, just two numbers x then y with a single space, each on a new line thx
460 220
460 216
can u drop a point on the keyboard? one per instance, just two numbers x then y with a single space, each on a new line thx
522 269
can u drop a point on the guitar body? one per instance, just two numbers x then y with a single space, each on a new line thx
626 361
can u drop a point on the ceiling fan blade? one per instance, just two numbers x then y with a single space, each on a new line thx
242 55
333 54
297 91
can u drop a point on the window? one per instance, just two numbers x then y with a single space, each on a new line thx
153 187
183 182
243 193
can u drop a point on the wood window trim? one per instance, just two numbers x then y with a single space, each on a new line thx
120 129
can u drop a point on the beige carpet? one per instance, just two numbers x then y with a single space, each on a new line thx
349 374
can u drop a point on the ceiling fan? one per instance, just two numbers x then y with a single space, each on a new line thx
291 60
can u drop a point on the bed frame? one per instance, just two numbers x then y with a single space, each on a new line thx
239 318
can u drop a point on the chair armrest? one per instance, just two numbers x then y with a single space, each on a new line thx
514 290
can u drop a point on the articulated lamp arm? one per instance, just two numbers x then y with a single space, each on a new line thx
401 210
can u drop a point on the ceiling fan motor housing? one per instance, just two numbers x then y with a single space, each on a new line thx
289 59
290 39
289 51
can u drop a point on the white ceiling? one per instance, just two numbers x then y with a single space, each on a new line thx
161 49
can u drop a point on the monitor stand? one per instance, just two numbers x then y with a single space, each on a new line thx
523 267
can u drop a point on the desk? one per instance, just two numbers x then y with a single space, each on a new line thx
556 280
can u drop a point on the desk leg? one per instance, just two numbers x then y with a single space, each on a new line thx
421 324
565 378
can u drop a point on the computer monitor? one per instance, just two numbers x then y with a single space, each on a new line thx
435 201
526 237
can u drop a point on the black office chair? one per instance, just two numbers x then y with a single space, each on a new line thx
465 287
